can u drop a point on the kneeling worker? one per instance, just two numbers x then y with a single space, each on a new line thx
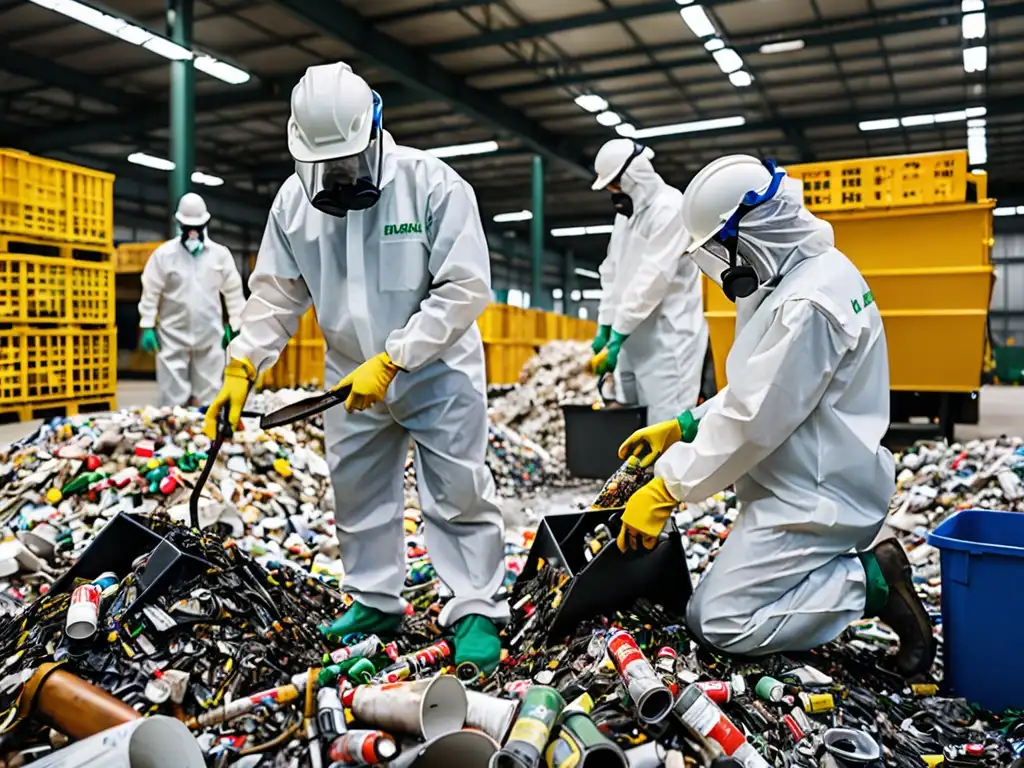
387 243
798 430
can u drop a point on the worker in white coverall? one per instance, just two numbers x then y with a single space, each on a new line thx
387 243
798 430
180 312
651 316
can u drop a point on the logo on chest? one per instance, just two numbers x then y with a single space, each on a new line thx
409 228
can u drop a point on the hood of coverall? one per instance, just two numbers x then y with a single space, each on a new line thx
785 229
641 182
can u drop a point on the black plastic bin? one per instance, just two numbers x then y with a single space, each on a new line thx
593 437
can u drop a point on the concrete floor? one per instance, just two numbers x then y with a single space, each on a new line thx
1002 411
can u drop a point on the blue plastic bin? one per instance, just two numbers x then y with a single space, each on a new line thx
982 555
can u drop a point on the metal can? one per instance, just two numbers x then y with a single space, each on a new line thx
718 691
770 689
362 748
330 714
702 715
83 612
816 703
370 646
665 660
532 729
652 697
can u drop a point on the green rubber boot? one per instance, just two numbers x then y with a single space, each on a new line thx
361 618
477 643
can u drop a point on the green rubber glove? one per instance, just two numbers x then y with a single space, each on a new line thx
149 341
477 643
228 336
612 360
687 426
601 338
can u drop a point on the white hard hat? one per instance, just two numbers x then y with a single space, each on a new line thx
192 211
613 157
332 114
717 191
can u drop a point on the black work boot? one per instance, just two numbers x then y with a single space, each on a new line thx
902 610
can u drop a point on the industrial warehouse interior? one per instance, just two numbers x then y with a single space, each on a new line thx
511 384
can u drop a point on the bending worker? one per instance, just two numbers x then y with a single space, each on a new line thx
387 243
798 430
180 313
651 316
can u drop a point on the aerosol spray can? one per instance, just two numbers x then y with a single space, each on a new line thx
371 646
362 748
532 729
421 660
330 714
718 691
653 699
702 715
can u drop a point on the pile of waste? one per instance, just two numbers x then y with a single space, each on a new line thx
555 376
211 635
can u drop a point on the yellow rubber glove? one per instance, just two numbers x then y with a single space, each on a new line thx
369 382
657 438
646 513
239 376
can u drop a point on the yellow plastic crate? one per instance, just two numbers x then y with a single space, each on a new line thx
131 258
64 364
38 289
309 329
493 322
54 200
301 364
934 178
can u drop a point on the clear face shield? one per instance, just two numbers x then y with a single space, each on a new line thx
350 183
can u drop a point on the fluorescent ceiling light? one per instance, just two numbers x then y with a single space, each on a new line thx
967 6
556 293
785 46
685 2
151 161
977 146
523 215
951 117
591 102
458 150
198 177
221 70
163 47
696 126
591 294
1006 211
912 120
728 60
978 170
741 79
977 122
600 229
587 272
714 44
975 111
697 20
976 59
576 295
609 119
626 129
973 26
879 125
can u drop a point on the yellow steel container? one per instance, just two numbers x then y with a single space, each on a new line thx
946 236
301 363
934 178
53 200
934 325
64 364
42 289
504 362
131 258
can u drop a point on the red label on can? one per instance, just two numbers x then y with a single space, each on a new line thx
727 735
624 650
667 653
716 690
87 593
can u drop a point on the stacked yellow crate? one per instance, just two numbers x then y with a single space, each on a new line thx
301 363
58 341
512 335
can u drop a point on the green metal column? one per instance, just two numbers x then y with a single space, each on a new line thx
569 283
502 295
537 297
183 109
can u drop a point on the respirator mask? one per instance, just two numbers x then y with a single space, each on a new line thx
622 202
193 239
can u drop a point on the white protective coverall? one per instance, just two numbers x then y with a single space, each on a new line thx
181 299
408 276
798 430
650 291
